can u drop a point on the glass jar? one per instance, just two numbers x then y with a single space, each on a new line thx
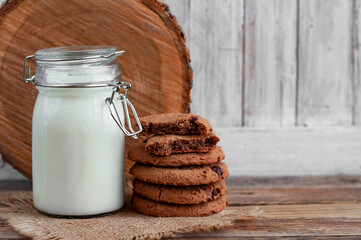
77 148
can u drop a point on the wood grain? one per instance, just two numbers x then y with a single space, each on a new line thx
294 195
288 229
289 181
325 49
156 60
215 41
270 63
300 62
298 208
7 232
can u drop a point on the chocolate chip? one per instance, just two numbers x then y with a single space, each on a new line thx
215 193
193 119
218 170
208 191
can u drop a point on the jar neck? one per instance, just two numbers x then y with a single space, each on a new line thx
100 73
75 92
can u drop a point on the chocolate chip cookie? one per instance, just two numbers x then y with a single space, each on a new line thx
182 176
170 144
138 154
150 207
175 123
180 194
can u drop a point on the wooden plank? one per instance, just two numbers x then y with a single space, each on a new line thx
315 228
291 151
294 195
324 67
7 232
181 10
274 182
304 211
357 62
268 237
10 185
270 63
215 42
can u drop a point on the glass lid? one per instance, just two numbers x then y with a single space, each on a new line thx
77 54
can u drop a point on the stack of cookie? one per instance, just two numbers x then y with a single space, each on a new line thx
178 170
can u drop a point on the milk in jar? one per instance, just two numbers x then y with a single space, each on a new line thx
77 147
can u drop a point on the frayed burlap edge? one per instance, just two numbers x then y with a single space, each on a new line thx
10 210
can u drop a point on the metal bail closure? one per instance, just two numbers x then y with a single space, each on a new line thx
27 72
123 97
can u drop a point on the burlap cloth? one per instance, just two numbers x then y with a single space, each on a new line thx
17 209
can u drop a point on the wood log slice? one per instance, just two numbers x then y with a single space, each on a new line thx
156 61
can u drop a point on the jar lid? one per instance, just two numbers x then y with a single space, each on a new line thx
75 66
79 54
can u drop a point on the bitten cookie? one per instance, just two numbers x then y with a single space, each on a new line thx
169 144
149 207
175 123
138 154
180 194
182 176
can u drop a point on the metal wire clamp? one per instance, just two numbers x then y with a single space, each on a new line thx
27 72
123 97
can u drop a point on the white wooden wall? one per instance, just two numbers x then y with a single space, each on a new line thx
274 62
280 80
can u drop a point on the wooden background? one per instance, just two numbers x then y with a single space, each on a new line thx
274 62
280 80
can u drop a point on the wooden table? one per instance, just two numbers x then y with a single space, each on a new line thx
297 208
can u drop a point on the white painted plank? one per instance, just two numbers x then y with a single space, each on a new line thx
7 172
215 44
324 93
181 10
291 151
357 62
270 63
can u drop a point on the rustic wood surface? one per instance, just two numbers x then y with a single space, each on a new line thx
156 60
270 66
325 63
279 62
292 208
216 47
